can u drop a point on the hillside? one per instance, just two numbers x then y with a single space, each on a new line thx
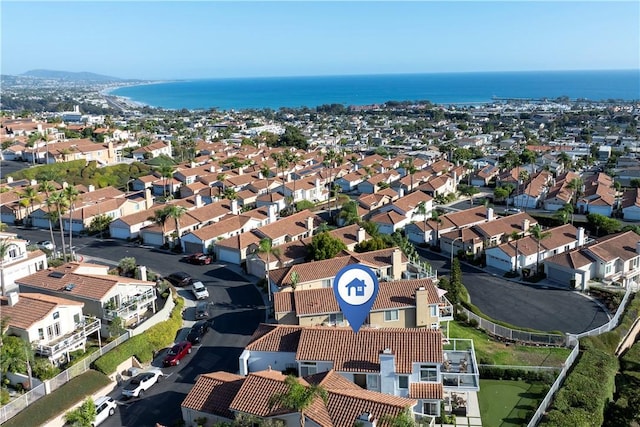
70 76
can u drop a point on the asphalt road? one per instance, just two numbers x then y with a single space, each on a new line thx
527 306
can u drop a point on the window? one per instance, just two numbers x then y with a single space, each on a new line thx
56 314
403 382
40 333
76 318
308 368
49 331
434 310
336 318
56 328
373 382
635 262
391 315
430 408
326 283
428 373
607 269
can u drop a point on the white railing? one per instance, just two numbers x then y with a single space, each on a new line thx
515 335
611 324
83 330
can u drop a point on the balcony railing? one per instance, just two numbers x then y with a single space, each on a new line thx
446 310
131 306
83 329
460 369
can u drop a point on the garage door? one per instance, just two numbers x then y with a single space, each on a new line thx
559 276
192 248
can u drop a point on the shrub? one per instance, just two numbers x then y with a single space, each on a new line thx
144 346
60 400
473 323
43 369
4 396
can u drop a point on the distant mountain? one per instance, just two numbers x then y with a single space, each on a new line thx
70 76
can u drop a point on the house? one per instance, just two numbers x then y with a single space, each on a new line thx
18 261
411 205
598 196
297 226
631 205
220 397
389 222
429 231
395 361
378 181
152 150
105 296
484 175
520 254
54 326
388 264
614 259
204 239
399 304
439 185
533 192
351 181
560 194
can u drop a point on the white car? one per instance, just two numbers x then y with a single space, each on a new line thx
45 244
199 290
142 382
105 407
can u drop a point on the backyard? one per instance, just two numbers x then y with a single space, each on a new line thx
509 403
492 352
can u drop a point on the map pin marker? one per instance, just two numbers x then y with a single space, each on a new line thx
355 288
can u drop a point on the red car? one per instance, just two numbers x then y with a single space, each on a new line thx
199 258
176 353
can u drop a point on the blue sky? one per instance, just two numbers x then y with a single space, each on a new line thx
210 39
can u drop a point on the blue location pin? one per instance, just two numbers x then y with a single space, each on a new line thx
355 288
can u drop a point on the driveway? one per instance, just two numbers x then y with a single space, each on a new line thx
544 309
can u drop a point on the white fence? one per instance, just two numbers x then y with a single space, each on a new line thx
524 337
614 320
12 408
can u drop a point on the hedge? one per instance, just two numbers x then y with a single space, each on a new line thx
144 346
514 374
475 310
53 404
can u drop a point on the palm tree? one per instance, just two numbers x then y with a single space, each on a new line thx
30 197
435 216
409 168
515 236
47 188
266 172
176 212
293 160
4 250
266 247
72 195
298 397
166 171
159 217
58 200
576 185
538 234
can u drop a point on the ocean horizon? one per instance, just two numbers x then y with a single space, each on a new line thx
437 88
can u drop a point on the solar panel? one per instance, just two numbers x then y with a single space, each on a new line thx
56 274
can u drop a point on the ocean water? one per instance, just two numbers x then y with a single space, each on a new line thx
440 88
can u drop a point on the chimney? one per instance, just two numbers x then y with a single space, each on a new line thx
401 192
234 207
489 214
361 234
396 266
525 225
318 186
580 237
310 223
148 198
212 169
142 272
13 298
240 171
387 371
272 213
198 201
423 317
365 420
91 188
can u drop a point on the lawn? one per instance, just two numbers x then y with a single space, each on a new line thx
509 403
493 352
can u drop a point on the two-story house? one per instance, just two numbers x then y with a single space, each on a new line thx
399 362
400 304
54 326
18 261
105 296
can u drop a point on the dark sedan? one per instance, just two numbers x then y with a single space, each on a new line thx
198 259
197 331
179 278
177 353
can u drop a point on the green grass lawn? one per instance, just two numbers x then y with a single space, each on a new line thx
508 403
498 353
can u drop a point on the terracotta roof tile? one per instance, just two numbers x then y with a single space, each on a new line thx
213 393
426 391
31 308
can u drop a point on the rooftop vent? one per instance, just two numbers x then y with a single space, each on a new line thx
56 274
69 286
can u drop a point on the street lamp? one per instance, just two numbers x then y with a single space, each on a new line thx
452 242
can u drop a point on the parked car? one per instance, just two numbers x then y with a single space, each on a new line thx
177 353
512 210
45 244
179 278
142 382
199 290
197 331
199 259
202 310
105 407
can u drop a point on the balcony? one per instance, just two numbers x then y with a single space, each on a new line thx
460 370
72 340
445 310
132 306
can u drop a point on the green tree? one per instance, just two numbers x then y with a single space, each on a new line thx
576 185
515 236
402 419
564 214
71 195
58 200
160 217
83 416
500 193
16 355
47 188
601 222
266 247
166 172
176 212
349 213
373 244
298 397
116 326
325 246
100 224
469 191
